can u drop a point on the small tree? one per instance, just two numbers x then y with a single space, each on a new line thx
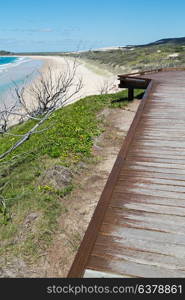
51 91
107 86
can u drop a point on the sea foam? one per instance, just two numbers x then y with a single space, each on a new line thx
15 70
7 62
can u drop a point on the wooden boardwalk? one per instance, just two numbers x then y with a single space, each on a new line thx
138 228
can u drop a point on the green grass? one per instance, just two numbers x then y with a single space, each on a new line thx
125 60
68 141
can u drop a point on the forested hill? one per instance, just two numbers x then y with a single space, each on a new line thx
177 41
3 52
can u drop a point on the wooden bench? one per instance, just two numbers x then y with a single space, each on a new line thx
132 83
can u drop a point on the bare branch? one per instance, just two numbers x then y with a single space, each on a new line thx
26 136
51 91
106 86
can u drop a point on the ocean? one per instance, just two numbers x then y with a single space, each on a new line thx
15 70
7 60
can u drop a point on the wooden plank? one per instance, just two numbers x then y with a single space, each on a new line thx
164 138
165 151
149 184
178 185
78 266
140 166
133 218
154 173
147 258
168 144
176 251
166 166
157 209
98 274
142 234
138 228
148 190
119 219
119 200
142 158
135 269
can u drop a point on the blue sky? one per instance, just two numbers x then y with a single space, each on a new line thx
66 25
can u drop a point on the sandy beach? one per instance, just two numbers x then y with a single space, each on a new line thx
92 81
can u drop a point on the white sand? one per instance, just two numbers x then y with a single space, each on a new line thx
92 82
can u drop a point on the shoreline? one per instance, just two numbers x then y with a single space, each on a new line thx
16 71
92 82
91 79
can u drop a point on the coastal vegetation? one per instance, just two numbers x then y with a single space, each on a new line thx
67 141
3 52
162 53
132 59
50 92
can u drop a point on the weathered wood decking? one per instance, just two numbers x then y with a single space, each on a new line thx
138 229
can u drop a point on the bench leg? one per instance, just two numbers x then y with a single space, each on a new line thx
130 94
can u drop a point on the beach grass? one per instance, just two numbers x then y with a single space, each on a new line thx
125 60
67 141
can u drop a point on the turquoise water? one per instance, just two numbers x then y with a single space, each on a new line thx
15 70
7 60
